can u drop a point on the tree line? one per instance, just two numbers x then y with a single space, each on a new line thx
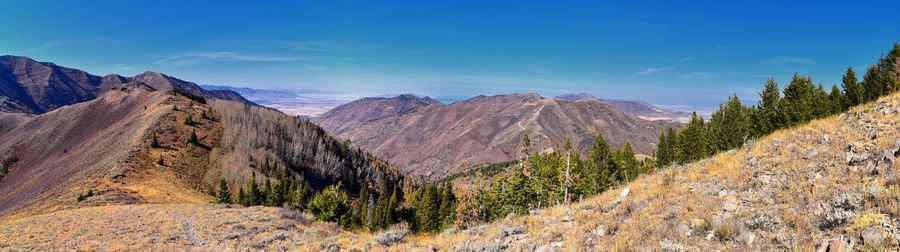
548 179
799 102
427 207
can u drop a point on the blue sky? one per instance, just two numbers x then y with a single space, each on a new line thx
666 52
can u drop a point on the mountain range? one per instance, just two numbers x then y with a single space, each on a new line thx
638 108
426 138
29 86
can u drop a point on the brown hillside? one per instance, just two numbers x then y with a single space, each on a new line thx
436 140
104 146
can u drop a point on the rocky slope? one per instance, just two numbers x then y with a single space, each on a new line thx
429 139
29 86
638 108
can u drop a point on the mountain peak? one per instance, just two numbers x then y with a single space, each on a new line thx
576 97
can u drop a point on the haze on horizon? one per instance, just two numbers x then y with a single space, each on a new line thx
666 53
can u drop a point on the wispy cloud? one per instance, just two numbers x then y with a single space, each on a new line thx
790 60
698 75
191 57
50 45
654 70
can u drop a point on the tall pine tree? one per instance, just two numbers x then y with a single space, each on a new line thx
767 119
799 99
852 89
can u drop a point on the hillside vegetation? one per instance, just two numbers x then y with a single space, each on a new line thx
792 190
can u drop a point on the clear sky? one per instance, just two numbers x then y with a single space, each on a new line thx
665 52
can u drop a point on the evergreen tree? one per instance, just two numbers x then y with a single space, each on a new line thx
276 194
890 69
393 204
768 118
692 143
224 194
264 196
853 90
188 120
330 205
730 125
427 210
242 198
378 207
363 210
663 150
838 100
448 206
600 158
254 194
872 83
798 102
627 163
298 196
821 103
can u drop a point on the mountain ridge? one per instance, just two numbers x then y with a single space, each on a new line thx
31 86
434 140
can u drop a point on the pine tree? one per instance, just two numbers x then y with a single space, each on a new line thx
872 84
730 125
264 196
568 178
890 69
254 194
362 209
276 194
298 196
692 143
663 150
853 90
189 120
394 202
224 194
627 163
821 102
600 157
838 100
242 198
427 209
330 205
768 118
448 206
798 102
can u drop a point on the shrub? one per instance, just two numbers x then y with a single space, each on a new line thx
725 232
330 205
